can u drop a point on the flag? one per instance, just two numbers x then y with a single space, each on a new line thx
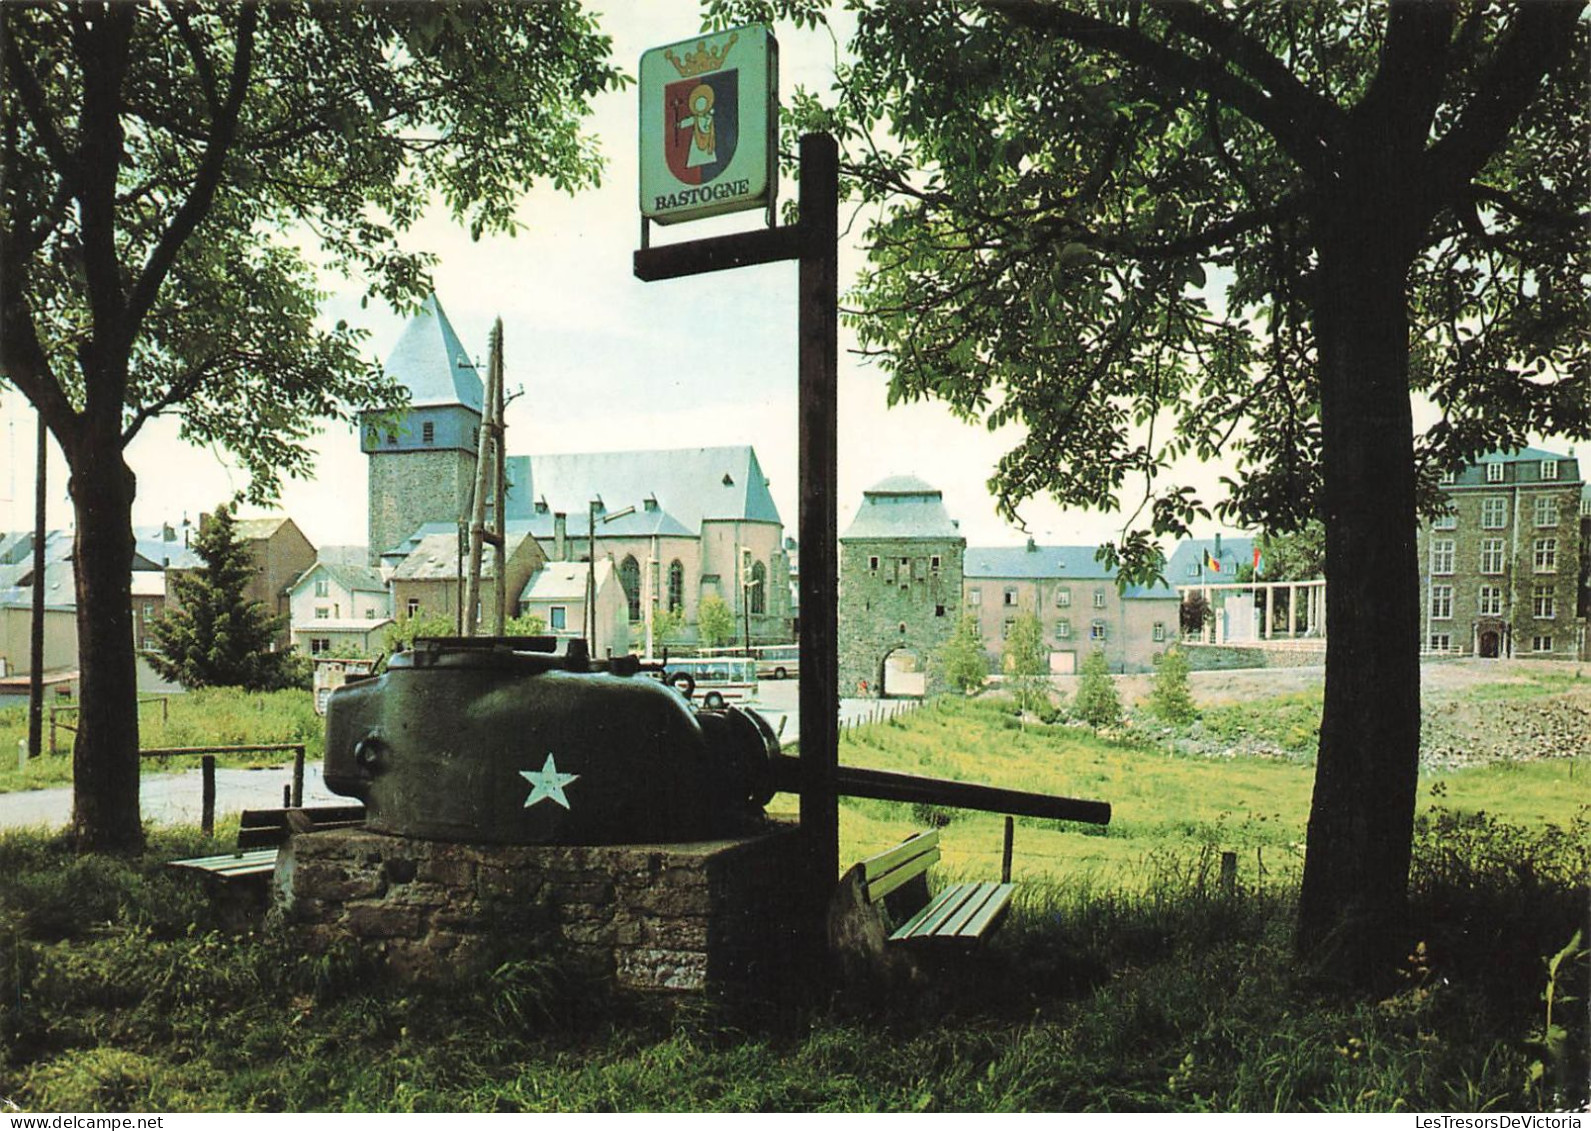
1259 562
1210 563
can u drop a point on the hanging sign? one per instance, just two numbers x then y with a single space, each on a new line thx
709 125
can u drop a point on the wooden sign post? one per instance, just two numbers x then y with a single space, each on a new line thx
813 242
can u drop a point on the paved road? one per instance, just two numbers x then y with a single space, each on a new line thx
173 799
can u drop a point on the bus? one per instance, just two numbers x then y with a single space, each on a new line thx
717 680
774 661
778 661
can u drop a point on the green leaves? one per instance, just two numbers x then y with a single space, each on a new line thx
213 635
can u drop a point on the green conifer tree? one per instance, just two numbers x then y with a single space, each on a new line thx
1097 701
216 636
1170 697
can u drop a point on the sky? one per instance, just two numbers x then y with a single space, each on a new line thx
604 362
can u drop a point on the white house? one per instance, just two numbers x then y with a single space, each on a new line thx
557 594
336 606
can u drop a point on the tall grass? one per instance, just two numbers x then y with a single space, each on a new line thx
1175 997
219 716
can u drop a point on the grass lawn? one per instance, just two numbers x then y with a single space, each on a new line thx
1125 980
221 716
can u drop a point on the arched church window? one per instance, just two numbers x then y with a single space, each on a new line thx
676 585
630 578
759 589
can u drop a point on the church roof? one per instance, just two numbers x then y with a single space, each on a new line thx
431 362
902 506
673 491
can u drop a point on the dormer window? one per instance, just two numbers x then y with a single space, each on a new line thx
1494 473
1449 477
1549 469
428 432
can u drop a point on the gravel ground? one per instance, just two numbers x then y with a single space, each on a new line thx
1466 717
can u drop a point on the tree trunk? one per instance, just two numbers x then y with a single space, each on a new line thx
1353 904
105 814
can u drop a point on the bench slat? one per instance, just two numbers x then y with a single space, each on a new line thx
986 905
904 872
231 865
927 921
913 846
320 814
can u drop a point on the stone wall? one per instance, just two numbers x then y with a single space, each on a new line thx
650 916
895 594
1223 657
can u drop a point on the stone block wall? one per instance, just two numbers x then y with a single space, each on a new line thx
894 597
650 916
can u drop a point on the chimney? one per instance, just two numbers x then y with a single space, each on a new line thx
1217 554
167 534
1032 546
560 537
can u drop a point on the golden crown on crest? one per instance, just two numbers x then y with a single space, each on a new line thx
700 61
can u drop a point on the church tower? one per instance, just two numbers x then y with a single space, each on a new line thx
422 465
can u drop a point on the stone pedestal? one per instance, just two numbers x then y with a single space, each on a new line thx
650 916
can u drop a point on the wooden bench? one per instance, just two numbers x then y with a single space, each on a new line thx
882 916
240 881
960 914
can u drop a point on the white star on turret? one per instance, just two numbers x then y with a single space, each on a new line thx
548 783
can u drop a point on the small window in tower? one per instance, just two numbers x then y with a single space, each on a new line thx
428 432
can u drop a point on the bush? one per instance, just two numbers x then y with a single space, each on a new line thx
1170 698
1097 702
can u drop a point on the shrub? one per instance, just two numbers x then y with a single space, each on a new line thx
1097 702
1170 697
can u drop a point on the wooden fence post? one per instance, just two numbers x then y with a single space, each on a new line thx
207 805
298 777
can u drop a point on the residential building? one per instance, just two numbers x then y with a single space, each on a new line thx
557 593
1078 603
337 607
1502 571
427 583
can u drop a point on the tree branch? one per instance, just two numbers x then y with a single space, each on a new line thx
1538 37
1408 82
201 61
38 111
1323 117
223 130
1296 138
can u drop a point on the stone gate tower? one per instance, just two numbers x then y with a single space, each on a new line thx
422 466
900 582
